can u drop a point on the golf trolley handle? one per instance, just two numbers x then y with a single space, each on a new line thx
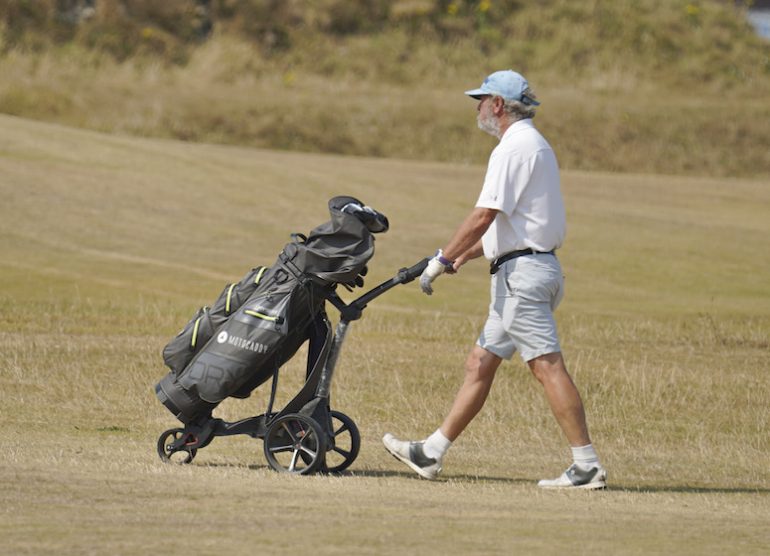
408 274
404 276
353 310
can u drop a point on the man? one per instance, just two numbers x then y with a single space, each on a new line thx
518 223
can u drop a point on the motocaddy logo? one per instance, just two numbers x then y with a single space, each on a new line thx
241 343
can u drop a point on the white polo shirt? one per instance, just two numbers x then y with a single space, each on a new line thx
522 183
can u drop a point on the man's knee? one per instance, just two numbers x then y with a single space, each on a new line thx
481 364
547 367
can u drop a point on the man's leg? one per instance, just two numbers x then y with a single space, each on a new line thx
424 457
586 472
480 369
563 397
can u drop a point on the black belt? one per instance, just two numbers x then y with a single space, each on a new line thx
498 262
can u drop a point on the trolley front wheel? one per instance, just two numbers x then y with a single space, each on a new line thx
347 442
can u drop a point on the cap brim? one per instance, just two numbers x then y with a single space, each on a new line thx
476 93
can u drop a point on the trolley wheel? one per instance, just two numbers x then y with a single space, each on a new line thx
347 442
168 454
295 444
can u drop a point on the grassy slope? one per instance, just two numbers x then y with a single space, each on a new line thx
648 86
108 243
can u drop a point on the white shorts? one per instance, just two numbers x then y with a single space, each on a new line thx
525 292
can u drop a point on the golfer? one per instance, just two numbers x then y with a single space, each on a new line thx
518 223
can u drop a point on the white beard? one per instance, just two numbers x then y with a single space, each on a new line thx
489 125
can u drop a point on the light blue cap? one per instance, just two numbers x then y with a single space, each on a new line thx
507 84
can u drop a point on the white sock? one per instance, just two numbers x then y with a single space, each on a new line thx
436 445
585 456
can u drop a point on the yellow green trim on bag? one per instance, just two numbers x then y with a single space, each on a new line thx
195 333
229 297
260 315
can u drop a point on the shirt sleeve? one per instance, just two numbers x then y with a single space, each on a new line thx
504 182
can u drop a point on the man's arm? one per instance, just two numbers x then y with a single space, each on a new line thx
473 253
466 242
464 245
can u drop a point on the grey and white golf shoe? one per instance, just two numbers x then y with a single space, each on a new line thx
576 477
411 454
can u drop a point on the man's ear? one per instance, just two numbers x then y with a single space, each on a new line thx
497 106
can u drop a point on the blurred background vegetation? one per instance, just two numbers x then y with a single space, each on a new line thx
650 86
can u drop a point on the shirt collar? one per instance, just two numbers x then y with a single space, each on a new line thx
517 126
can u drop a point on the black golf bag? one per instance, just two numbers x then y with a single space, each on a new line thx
259 323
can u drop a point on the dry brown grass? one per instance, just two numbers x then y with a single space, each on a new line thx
109 243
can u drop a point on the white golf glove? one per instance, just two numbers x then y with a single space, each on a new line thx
436 266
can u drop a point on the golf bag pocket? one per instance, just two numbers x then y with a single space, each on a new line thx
235 295
269 311
181 349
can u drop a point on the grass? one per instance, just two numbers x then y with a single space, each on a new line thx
109 243
220 97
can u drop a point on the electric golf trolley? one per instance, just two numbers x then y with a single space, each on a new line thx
258 324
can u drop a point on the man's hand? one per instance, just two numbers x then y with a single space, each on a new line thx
436 266
466 241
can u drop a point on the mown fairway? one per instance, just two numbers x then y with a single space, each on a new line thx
108 245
